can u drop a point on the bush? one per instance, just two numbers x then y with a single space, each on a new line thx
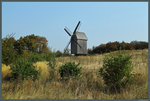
23 68
116 70
58 54
70 69
35 57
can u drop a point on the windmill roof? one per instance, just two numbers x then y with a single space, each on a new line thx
81 35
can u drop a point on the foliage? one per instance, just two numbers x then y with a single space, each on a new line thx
19 46
23 47
114 46
52 60
90 51
58 54
31 43
140 44
70 69
111 46
35 57
116 70
90 86
23 68
127 46
8 52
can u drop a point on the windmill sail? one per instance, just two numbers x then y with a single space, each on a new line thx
67 31
76 27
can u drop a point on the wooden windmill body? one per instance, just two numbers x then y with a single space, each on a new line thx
78 42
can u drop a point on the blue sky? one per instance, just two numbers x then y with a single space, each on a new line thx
102 22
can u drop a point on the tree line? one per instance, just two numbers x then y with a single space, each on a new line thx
36 46
114 46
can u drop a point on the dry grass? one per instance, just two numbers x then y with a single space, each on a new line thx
5 71
44 70
89 86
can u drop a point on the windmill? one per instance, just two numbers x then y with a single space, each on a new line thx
78 41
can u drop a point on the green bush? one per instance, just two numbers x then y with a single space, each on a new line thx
58 53
70 69
35 57
116 70
23 68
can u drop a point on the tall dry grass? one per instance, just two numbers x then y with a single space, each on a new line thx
6 72
89 86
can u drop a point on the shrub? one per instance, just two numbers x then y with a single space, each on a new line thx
35 57
23 68
70 69
58 54
116 70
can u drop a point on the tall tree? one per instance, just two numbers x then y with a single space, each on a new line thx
8 52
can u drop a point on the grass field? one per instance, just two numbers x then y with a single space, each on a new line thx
90 86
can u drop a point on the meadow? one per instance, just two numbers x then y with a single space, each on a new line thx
89 86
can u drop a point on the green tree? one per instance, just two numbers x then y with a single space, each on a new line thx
31 43
9 54
19 46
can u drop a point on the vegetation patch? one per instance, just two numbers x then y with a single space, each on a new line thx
70 69
116 71
23 68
